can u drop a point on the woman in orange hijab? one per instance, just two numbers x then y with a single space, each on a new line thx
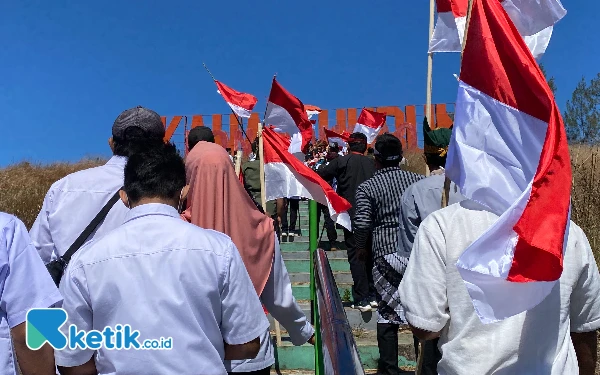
217 200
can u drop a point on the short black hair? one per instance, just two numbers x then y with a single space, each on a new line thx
357 143
134 139
199 134
155 172
388 150
334 147
435 160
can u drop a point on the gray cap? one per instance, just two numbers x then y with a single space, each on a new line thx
139 117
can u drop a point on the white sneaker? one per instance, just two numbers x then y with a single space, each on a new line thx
291 234
363 307
374 304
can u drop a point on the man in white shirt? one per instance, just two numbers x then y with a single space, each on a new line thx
24 284
548 339
72 202
165 278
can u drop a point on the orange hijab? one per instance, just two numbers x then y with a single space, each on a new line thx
217 200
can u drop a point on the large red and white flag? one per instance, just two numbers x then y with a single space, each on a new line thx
369 123
509 152
287 114
242 104
533 18
340 139
286 176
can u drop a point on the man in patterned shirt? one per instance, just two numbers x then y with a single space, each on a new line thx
378 212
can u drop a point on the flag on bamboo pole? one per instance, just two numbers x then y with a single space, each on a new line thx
369 123
242 104
533 19
297 139
340 139
286 176
312 110
287 114
509 152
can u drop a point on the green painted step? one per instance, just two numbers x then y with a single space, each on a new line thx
303 357
301 291
295 265
305 255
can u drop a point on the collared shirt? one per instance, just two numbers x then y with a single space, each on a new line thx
24 284
537 341
72 203
166 278
420 200
378 210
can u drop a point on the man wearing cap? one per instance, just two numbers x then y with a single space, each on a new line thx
199 134
350 171
418 201
73 201
378 214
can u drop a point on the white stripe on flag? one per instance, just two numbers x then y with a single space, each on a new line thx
280 119
282 182
240 111
368 131
506 145
448 34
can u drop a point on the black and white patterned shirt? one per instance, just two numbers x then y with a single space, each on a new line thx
378 210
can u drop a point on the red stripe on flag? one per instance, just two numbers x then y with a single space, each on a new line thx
332 134
275 151
295 108
246 101
371 119
457 7
498 62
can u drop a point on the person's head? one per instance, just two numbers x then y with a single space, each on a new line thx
136 128
199 134
370 151
387 151
357 142
154 175
228 149
435 145
334 147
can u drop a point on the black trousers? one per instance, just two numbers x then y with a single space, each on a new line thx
293 206
431 356
387 341
329 223
265 371
362 271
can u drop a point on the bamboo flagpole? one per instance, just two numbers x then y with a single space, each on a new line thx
240 123
263 202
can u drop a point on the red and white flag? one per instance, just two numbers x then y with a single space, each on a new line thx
242 104
533 19
287 114
340 139
370 123
312 110
509 152
286 176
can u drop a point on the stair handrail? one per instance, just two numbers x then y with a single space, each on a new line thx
340 352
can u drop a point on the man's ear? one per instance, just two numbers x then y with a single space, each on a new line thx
111 144
124 198
184 192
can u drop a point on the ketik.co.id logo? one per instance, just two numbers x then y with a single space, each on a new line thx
43 326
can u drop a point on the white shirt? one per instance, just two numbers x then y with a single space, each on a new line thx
279 301
534 342
24 284
165 278
72 203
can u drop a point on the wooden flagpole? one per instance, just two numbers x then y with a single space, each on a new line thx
446 192
263 200
430 70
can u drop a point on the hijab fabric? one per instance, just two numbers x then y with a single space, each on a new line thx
217 200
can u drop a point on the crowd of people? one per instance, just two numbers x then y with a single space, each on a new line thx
184 249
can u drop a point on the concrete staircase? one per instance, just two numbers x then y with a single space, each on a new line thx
300 360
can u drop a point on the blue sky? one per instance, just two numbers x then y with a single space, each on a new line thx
69 68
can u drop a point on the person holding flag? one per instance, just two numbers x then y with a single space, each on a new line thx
420 200
504 278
